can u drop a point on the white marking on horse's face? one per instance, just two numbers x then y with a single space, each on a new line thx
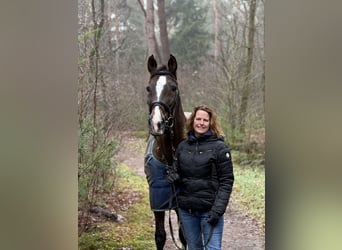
160 86
157 116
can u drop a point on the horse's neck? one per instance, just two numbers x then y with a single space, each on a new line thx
165 145
163 149
178 128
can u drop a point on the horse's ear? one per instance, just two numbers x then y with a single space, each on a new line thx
172 64
151 64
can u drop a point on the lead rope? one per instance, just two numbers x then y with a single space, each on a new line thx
170 221
173 193
213 169
210 234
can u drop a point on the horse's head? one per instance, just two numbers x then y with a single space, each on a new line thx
163 95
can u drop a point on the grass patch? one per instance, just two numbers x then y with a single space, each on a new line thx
249 191
134 233
137 145
142 134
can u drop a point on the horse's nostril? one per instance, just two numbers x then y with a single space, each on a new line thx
160 125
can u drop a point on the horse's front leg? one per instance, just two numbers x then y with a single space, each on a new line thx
160 234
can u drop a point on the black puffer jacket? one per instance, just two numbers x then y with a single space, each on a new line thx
206 173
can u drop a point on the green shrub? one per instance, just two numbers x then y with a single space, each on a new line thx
96 167
136 231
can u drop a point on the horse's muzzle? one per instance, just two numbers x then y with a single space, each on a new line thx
156 127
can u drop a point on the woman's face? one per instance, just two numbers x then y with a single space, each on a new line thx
201 122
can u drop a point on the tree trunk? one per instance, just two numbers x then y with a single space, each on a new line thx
164 40
216 29
95 57
151 37
117 34
248 66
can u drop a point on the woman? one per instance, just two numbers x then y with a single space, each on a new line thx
203 172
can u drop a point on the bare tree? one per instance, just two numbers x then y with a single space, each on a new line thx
164 40
248 66
162 52
151 37
95 57
216 29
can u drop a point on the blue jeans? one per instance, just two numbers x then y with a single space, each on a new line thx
197 230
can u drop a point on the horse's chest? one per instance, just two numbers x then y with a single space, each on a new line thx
158 153
160 189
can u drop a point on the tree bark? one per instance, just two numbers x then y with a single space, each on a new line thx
151 37
117 33
164 40
142 7
216 29
248 66
95 57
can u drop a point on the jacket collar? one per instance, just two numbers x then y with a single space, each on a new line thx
205 136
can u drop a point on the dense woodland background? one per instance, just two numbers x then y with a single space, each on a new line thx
219 46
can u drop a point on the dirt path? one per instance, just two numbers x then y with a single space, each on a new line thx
240 232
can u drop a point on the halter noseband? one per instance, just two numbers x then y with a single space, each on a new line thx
169 120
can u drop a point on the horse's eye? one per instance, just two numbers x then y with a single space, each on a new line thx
174 88
148 88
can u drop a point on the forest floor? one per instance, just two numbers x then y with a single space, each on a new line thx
240 231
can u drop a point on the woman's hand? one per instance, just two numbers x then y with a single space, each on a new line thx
213 218
172 175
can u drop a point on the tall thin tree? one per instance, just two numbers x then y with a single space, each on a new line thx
216 29
164 40
248 67
95 58
151 37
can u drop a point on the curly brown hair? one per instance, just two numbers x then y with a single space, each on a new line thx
214 125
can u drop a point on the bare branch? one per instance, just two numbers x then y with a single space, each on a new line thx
142 7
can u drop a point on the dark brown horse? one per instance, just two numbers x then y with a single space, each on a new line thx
166 124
